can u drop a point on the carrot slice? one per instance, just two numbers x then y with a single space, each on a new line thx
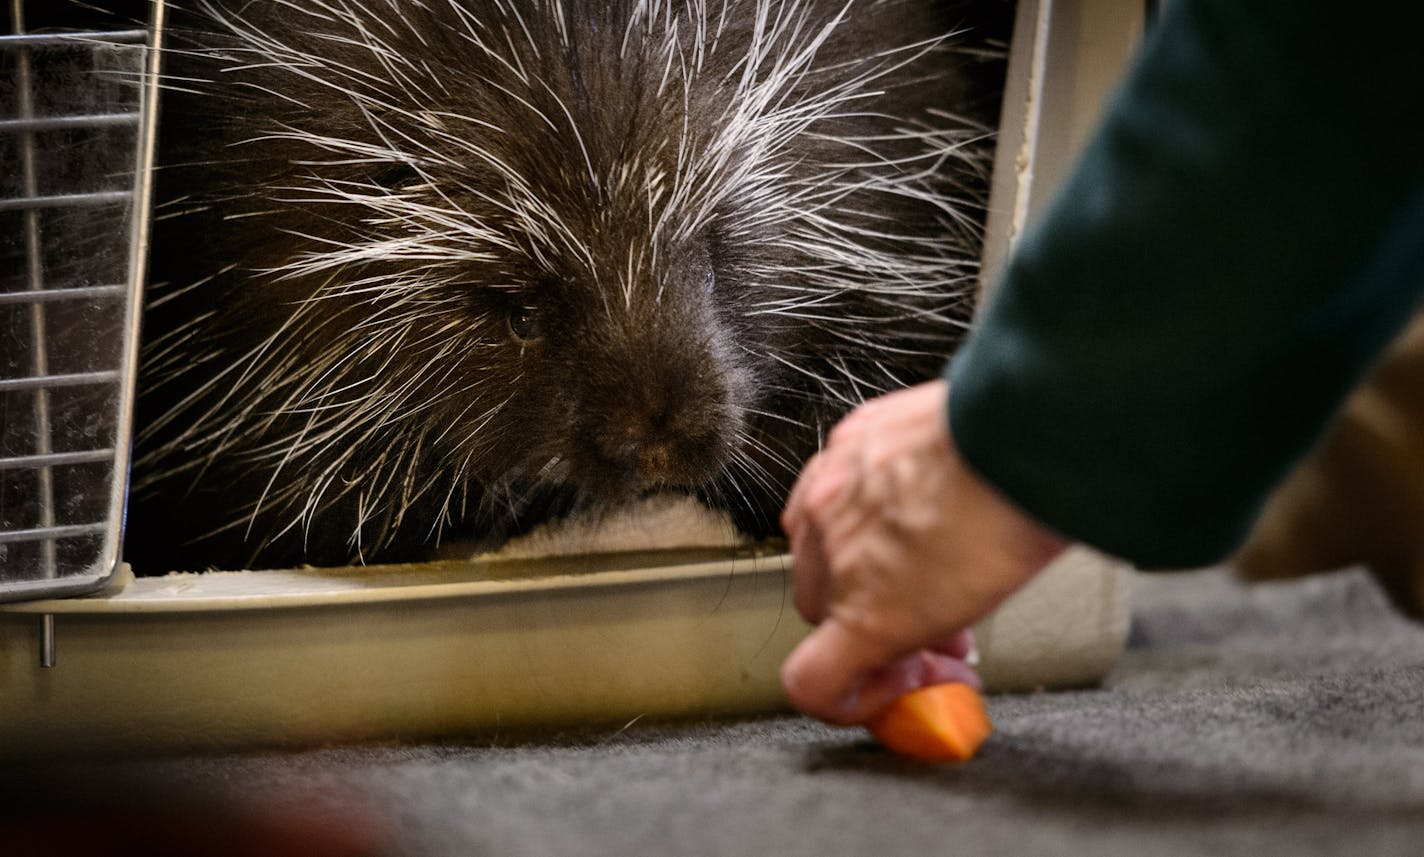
936 723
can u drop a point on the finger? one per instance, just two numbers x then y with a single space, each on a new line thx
960 645
853 424
793 516
810 575
825 674
911 672
828 483
934 667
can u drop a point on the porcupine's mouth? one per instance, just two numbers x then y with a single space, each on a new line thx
571 507
644 469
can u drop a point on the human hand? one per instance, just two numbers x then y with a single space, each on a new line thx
898 548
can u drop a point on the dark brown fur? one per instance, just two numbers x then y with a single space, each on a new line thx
511 376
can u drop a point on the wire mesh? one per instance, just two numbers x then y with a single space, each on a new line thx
76 146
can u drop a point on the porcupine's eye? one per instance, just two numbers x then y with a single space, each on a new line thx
523 321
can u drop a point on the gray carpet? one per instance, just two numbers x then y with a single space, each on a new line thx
1279 719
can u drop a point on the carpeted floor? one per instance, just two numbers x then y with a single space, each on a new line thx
1283 719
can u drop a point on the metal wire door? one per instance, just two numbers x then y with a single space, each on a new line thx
76 141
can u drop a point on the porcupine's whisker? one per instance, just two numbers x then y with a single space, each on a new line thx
757 475
750 443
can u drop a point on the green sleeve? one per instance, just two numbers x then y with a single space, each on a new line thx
1243 234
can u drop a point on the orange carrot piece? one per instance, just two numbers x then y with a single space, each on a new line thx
936 723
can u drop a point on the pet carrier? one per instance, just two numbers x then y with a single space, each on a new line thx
303 656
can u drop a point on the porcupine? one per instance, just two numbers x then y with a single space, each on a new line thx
455 266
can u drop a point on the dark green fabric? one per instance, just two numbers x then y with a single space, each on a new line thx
1242 235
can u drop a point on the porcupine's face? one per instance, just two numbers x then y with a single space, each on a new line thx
576 327
498 250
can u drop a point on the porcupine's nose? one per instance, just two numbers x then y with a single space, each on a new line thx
654 441
646 462
651 458
662 394
653 423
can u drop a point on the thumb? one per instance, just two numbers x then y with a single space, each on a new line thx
825 675
844 678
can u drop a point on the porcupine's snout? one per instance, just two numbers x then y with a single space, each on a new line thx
663 414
